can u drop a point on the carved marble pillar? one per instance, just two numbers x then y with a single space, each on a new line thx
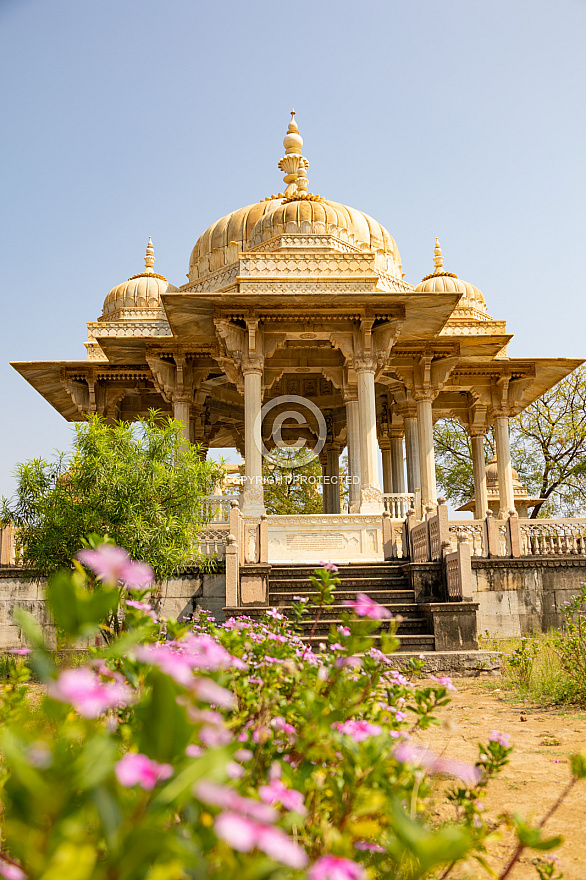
504 466
325 495
412 453
426 453
370 491
398 470
385 448
333 473
253 504
353 444
181 413
479 470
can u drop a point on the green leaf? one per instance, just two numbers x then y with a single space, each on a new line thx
164 730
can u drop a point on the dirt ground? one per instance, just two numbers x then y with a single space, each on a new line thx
538 771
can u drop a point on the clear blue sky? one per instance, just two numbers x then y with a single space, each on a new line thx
124 119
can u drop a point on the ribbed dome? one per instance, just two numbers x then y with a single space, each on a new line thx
492 474
453 284
142 291
441 281
250 226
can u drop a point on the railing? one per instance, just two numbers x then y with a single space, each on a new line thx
217 508
552 537
398 503
212 541
473 530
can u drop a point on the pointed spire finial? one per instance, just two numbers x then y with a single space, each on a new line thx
149 260
293 163
438 260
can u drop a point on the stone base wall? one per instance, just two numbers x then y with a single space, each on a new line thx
519 596
178 597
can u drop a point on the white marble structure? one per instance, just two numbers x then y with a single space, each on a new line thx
299 296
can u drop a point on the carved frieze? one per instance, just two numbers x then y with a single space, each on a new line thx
323 265
302 241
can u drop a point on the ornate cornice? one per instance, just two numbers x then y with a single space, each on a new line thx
300 264
122 329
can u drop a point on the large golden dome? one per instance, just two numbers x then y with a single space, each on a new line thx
251 226
293 212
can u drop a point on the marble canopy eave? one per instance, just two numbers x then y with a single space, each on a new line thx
46 378
191 316
473 382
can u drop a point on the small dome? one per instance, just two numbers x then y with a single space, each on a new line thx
142 291
250 226
492 474
441 281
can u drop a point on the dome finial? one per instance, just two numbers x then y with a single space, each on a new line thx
292 161
438 260
149 260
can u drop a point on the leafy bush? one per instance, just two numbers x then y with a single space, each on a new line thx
135 482
201 751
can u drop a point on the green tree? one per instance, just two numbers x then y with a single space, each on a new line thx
548 449
132 481
292 482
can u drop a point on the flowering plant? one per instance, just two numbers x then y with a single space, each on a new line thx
195 750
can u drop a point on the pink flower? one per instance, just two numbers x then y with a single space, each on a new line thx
358 730
22 651
142 606
245 834
446 682
243 755
367 846
227 799
193 751
328 566
343 630
335 868
366 607
87 693
234 770
272 612
406 753
503 739
205 653
207 690
349 661
277 792
279 723
137 769
11 871
113 564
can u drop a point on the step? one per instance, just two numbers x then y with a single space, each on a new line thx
339 607
414 644
359 571
417 625
360 584
383 597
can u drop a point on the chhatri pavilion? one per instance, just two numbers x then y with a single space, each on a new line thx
299 302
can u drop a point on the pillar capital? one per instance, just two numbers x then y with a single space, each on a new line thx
365 364
252 365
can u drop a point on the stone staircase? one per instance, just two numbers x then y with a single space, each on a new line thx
385 582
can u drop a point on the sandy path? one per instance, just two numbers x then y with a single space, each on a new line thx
537 773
